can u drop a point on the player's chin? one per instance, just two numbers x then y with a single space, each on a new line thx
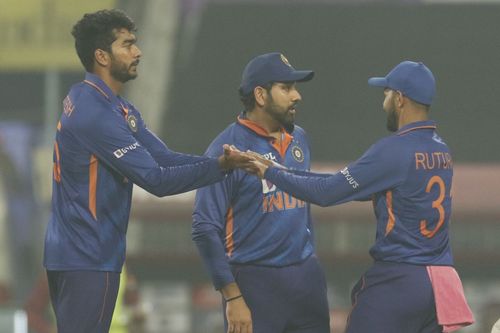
132 74
289 124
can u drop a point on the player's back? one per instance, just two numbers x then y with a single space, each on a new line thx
413 216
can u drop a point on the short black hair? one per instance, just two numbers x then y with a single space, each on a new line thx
248 100
97 31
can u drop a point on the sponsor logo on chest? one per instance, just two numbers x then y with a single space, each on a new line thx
270 156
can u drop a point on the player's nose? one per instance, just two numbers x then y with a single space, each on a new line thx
138 52
296 96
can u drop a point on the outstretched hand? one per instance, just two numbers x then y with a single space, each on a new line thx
259 158
232 158
249 161
259 163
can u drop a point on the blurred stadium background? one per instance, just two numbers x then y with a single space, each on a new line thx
193 55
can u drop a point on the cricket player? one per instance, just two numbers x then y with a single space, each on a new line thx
255 239
412 286
102 148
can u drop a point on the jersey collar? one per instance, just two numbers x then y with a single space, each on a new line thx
98 84
281 147
426 124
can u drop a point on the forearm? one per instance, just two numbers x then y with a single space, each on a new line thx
323 190
177 179
308 173
230 291
211 249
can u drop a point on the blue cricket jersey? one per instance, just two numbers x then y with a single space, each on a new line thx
102 147
245 220
408 175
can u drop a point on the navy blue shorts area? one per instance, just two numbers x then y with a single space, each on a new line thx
393 298
83 301
291 299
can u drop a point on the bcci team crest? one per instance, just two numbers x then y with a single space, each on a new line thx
132 123
297 154
285 60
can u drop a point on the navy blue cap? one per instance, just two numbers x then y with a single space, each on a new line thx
270 67
413 79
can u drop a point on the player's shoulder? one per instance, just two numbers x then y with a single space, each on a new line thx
235 134
89 110
297 130
392 140
129 105
229 135
391 145
87 100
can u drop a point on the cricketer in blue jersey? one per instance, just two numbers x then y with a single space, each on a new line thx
102 148
412 286
255 239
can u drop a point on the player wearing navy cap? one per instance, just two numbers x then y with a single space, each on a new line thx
256 240
412 286
102 148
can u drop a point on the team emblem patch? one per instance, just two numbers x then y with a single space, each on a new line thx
297 154
285 60
132 123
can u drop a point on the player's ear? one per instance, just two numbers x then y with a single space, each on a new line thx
399 98
101 57
260 95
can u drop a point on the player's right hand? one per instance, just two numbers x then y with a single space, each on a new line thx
239 318
259 158
232 158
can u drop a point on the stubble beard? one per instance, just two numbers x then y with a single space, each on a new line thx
121 72
281 115
392 118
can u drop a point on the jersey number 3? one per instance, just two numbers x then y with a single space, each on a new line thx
437 204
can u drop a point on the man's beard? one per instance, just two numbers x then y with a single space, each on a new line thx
281 115
121 72
392 118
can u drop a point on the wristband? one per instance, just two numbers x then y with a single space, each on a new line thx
233 298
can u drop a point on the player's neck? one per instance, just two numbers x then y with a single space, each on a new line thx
111 82
265 121
411 116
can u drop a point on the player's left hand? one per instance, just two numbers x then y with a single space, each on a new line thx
239 317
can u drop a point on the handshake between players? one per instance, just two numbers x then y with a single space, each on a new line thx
249 161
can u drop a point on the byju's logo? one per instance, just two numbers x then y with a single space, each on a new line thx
122 151
350 179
